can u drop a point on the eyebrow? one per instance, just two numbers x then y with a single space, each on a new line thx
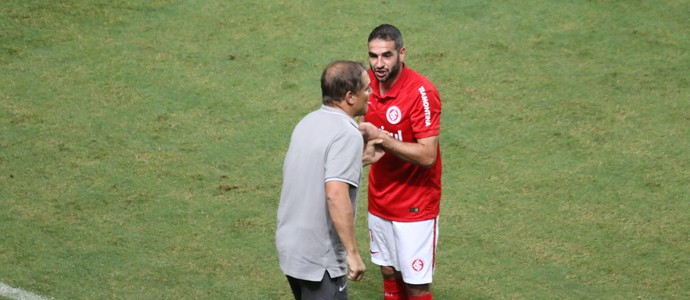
384 53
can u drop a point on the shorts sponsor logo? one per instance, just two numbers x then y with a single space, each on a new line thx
393 115
417 265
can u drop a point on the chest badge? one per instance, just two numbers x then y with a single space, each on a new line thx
393 115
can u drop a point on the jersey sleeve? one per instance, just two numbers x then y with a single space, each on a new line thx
344 158
426 112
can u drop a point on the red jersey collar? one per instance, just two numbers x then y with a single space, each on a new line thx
395 89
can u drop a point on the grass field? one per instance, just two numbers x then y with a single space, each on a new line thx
141 143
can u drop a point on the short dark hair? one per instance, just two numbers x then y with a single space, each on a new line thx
340 77
387 32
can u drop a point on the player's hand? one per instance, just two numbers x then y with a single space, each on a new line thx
372 152
355 266
369 131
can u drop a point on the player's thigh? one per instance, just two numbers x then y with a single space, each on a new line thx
382 244
417 250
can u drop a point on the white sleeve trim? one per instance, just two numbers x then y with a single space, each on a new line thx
343 180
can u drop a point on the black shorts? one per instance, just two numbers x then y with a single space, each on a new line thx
326 289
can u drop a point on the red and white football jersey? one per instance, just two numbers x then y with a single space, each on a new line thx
410 110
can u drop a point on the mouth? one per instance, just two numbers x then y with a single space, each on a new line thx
380 73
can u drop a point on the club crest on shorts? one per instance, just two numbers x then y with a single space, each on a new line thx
393 115
417 265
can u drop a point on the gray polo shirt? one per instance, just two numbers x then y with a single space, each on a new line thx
325 145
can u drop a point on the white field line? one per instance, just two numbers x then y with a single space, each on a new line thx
18 294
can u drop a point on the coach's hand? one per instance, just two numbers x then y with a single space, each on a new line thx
372 152
356 267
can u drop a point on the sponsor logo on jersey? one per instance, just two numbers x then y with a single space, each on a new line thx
425 104
398 136
393 115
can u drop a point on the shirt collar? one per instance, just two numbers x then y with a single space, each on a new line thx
395 89
340 112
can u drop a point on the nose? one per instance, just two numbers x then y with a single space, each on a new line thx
378 62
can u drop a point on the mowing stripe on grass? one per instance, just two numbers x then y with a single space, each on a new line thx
18 294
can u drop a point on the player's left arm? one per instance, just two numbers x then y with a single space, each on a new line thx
422 152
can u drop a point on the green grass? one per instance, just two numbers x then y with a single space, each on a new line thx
141 143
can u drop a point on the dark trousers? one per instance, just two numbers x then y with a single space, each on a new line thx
326 289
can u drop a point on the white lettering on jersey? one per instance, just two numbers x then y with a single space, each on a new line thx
425 104
398 136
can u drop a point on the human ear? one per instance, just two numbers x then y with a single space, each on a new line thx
350 98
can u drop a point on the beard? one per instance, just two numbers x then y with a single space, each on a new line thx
390 74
